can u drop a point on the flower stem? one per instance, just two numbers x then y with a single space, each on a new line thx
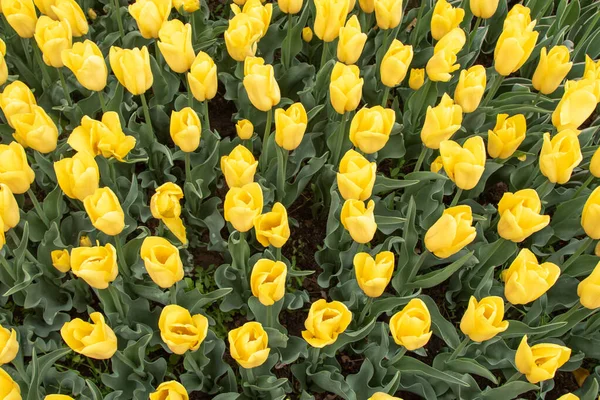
314 358
474 31
584 185
206 117
190 95
422 155
38 59
498 79
265 143
289 42
250 376
459 349
269 321
339 141
282 155
114 294
146 112
63 83
102 101
188 167
365 310
38 208
278 253
119 20
386 94
423 92
456 198
413 34
324 54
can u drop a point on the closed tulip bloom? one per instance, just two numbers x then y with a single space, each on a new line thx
383 396
540 362
588 290
591 214
9 345
484 319
568 396
356 176
96 265
16 99
241 36
437 165
507 135
527 280
595 164
443 63
162 261
239 167
290 6
515 44
451 232
373 275
368 6
132 68
78 176
104 137
84 241
484 8
175 45
520 215
150 15
560 155
52 37
290 126
257 11
9 209
171 390
351 41
105 212
242 205
272 228
441 122
94 340
260 83
592 73
464 165
86 62
69 11
61 260
552 68
307 34
36 130
21 16
3 66
180 330
470 88
249 345
345 87
202 77
331 16
395 63
268 281
325 322
358 219
165 205
416 78
411 327
15 172
445 18
388 13
188 6
371 128
45 7
576 106
9 389
186 129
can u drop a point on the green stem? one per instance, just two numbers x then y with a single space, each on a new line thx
250 376
422 155
278 253
584 185
173 294
265 145
245 271
582 248
8 268
386 94
206 116
193 23
113 174
269 321
114 294
398 356
515 377
157 53
146 112
498 79
456 198
282 155
324 54
365 311
537 98
413 34
38 59
459 349
314 358
188 167
288 48
190 95
102 101
38 208
24 44
117 6
63 83
474 31
339 141
423 93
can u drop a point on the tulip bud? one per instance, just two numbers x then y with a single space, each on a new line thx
202 77
9 209
520 215
325 322
94 340
527 280
10 388
3 66
150 15
592 73
176 45
445 18
484 8
15 172
507 136
568 396
388 13
69 11
371 128
242 205
383 396
356 176
359 220
368 6
241 36
61 260
345 87
45 7
188 6
16 99
78 176
273 228
351 41
84 241
260 84
441 122
290 126
590 215
249 345
180 330
86 62
52 37
162 261
451 232
595 164
36 130
470 88
92 14
484 319
258 12
417 78
411 327
268 281
373 275
290 6
245 129
170 390
440 67
540 362
9 345
331 16
96 265
588 289
552 68
395 63
307 34
559 156
21 16
186 129
464 165
436 165
576 106
164 205
516 42
132 66
239 167
105 212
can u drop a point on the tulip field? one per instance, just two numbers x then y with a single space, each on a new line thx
299 199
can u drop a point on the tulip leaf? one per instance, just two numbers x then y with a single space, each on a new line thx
409 364
516 329
434 278
507 391
348 337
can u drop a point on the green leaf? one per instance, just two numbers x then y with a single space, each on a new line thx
412 365
434 278
516 329
507 391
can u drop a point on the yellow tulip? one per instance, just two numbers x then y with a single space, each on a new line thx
507 135
202 77
411 327
2 235
257 11
368 6
249 345
527 280
437 164
96 265
57 397
470 88
359 220
272 228
188 6
520 215
241 36
373 275
559 156
356 176
568 396
9 209
242 205
576 106
61 260
307 34
180 330
162 261
590 215
171 390
3 66
15 172
52 37
351 41
16 99
383 396
268 281
9 345
69 11
516 42
290 126
416 78
331 16
9 389
540 362
132 68
239 167
84 241
445 18
94 340
443 63
175 45
245 129
186 129
484 8
588 290
21 16
395 63
325 322
164 205
451 232
371 128
592 73
464 165
388 13
105 212
552 68
45 7
86 62
441 122
595 164
36 130
484 319
150 15
260 83
345 87
104 137
290 6
78 176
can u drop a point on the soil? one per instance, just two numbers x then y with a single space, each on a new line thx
221 120
493 194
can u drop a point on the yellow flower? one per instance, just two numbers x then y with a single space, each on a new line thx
437 164
575 107
368 6
464 165
470 88
241 36
164 205
86 62
272 228
388 13
373 275
411 327
445 18
58 397
171 390
36 130
325 322
239 167
395 63
520 215
162 261
61 260
78 176
552 68
331 16
443 63
540 362
507 135
595 164
249 345
96 265
180 330
242 205
345 87
484 319
15 172
132 67
290 126
590 215
186 129
416 78
21 16
9 345
516 42
175 45
268 281
84 241
307 34
150 15
105 211
441 122
356 176
245 129
451 232
69 11
92 14
188 6
351 41
52 37
592 73
371 128
9 209
359 220
45 7
260 83
568 396
290 6
104 137
560 155
94 340
16 99
526 280
9 389
484 8
3 66
589 288
383 396
258 12
202 77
